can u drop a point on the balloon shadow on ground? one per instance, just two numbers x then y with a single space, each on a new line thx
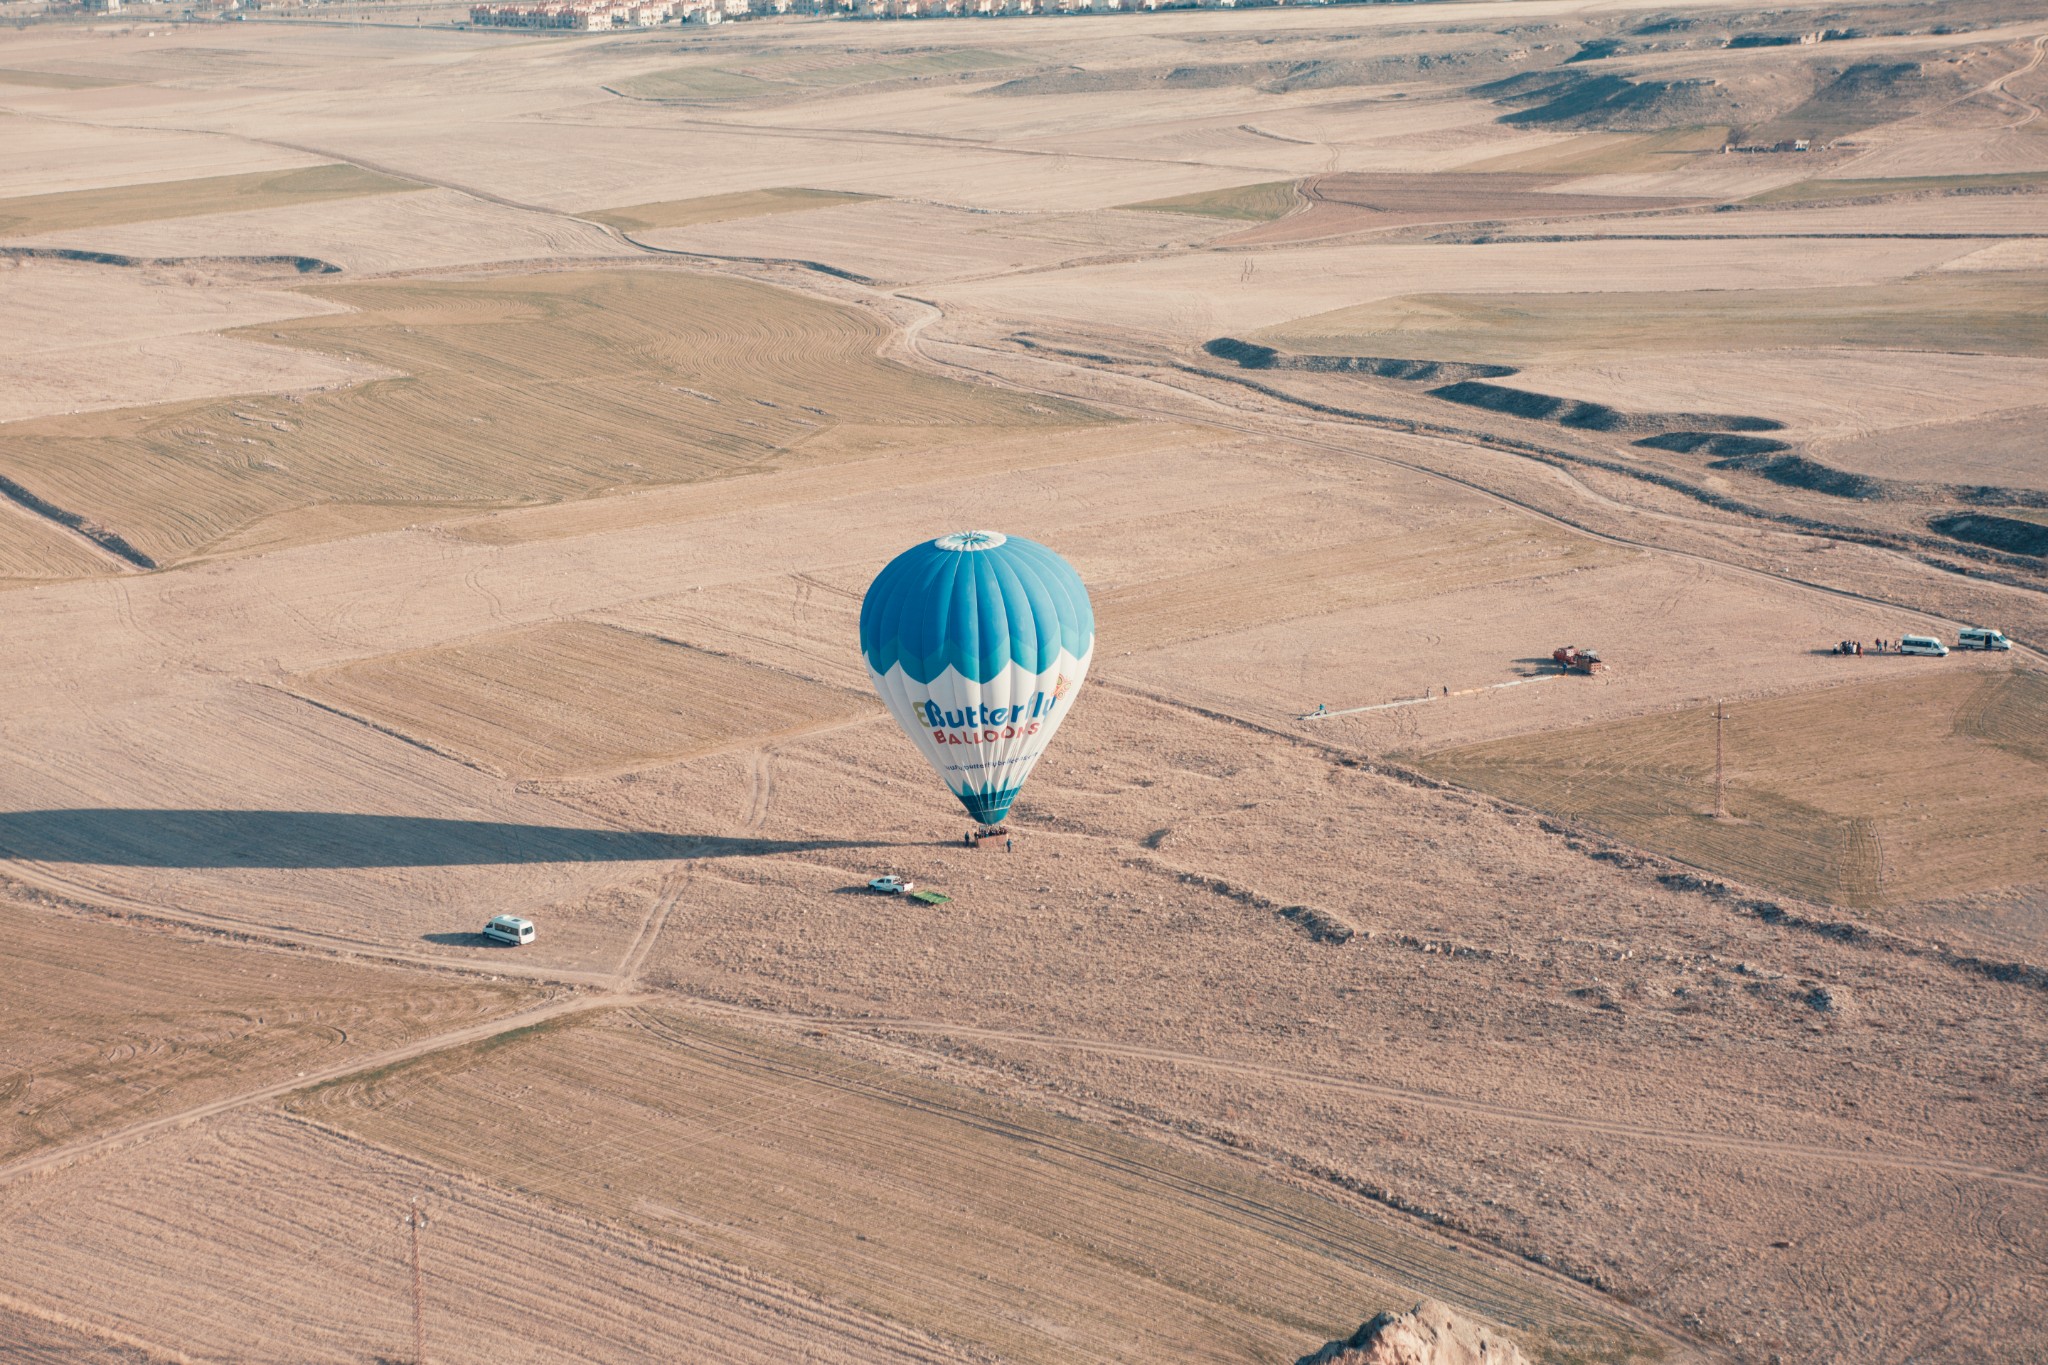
332 839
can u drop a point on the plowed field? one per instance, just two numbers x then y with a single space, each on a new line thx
103 1025
304 1260
576 698
32 550
29 1340
516 390
1022 1234
1859 795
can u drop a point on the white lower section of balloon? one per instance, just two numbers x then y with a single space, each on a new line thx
983 737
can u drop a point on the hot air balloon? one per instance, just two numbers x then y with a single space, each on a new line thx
977 643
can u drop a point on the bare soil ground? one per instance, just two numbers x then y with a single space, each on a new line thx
491 372
1013 1233
96 336
913 243
35 1340
50 156
579 698
1612 153
376 234
1487 551
192 198
1353 202
718 208
107 1024
2004 449
281 1212
1258 1028
1195 296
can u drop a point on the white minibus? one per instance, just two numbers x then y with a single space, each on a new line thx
509 929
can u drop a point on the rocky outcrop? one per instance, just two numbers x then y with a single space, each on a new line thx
1427 1334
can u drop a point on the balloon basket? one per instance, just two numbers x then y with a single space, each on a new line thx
990 834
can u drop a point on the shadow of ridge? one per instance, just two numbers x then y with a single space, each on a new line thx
335 839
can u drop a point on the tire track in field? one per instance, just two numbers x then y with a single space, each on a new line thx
666 898
1916 1163
1232 1203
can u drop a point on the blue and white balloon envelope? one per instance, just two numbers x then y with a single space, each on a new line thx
977 643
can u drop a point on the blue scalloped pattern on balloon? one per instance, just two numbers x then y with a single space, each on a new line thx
975 611
991 807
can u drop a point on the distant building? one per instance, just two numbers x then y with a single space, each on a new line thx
577 14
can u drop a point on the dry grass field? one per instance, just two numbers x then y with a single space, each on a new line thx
1251 203
578 698
28 214
1882 794
719 208
2000 313
372 563
1347 203
538 389
106 1024
1015 1234
1812 191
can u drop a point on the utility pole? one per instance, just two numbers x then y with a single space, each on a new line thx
415 1219
1720 724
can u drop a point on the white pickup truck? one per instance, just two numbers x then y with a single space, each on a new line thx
891 886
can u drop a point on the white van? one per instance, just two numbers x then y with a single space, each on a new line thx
1981 637
509 929
1922 644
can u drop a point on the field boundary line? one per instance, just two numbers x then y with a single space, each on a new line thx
441 1042
1926 1165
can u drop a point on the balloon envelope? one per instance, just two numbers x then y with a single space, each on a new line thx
977 643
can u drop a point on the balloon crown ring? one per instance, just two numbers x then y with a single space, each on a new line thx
971 540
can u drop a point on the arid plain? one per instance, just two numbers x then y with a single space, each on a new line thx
439 471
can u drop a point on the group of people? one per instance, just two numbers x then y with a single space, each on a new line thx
1856 647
